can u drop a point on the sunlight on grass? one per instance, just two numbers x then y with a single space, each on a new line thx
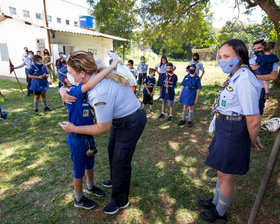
161 165
174 145
185 216
164 126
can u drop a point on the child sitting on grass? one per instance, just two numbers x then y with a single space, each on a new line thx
149 88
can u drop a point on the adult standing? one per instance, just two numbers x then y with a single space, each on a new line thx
116 109
198 64
237 126
28 61
47 60
258 47
25 53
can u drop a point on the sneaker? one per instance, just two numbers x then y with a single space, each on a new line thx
189 123
107 183
206 204
111 209
85 203
47 109
161 116
181 122
170 118
36 111
213 216
96 191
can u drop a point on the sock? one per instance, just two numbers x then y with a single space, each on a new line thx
90 184
190 116
223 204
45 104
162 113
35 106
184 115
217 193
170 115
78 196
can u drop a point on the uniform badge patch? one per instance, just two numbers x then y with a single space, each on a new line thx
85 113
100 103
229 88
224 103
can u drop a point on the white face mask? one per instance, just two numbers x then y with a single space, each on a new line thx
72 81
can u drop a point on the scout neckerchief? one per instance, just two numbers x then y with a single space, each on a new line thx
168 80
217 100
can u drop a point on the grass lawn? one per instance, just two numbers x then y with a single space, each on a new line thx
169 174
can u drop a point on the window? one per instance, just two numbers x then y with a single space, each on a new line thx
38 16
12 11
26 13
67 22
58 20
75 23
49 18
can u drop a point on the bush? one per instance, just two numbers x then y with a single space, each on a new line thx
206 54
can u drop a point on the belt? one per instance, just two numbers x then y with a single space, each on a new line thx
190 87
231 118
118 119
79 136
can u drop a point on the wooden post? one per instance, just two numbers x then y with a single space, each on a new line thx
47 25
269 168
124 51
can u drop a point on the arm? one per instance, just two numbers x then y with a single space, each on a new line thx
182 87
271 76
36 77
174 68
50 61
196 97
202 74
253 124
20 66
145 86
96 129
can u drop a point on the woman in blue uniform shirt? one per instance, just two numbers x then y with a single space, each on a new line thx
237 124
117 110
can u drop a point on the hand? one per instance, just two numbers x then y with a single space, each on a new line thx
195 102
41 76
65 96
152 94
255 67
149 92
67 126
257 144
115 63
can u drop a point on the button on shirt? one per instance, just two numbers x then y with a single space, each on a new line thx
142 68
111 100
198 65
252 61
241 96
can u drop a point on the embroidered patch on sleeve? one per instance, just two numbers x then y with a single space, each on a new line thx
99 103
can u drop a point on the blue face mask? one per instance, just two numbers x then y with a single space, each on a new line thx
191 71
39 63
143 61
229 66
258 53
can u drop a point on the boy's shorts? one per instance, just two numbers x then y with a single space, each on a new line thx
147 99
77 148
170 102
141 77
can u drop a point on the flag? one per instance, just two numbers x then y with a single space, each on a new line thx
11 67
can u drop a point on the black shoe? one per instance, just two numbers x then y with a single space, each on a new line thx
161 116
189 123
213 216
111 209
170 118
181 122
47 109
85 203
206 204
36 111
96 191
107 183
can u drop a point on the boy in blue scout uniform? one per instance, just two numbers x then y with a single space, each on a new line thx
80 114
189 94
39 83
169 82
149 88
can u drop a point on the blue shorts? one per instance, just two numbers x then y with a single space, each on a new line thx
229 151
77 148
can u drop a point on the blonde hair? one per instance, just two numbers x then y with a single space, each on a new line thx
84 61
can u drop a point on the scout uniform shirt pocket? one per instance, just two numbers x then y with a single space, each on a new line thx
227 97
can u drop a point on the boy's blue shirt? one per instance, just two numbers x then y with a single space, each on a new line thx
150 82
79 111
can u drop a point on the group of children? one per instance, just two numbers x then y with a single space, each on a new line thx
167 82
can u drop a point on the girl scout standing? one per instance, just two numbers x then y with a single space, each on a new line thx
142 72
189 94
117 110
39 84
237 125
169 83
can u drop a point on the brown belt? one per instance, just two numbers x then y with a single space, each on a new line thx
231 118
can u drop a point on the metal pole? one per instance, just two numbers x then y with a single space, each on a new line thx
269 168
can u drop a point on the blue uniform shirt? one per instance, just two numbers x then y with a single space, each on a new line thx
142 67
79 112
171 87
62 74
266 63
151 82
27 62
242 94
111 100
39 84
191 82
